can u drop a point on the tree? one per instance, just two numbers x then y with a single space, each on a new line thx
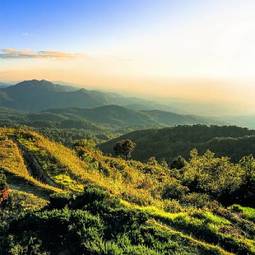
124 147
178 163
152 161
248 164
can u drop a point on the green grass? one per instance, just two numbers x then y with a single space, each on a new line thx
68 183
28 201
246 212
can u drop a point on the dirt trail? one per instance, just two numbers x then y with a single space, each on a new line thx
34 167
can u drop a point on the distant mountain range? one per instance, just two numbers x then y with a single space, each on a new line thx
35 95
45 104
106 109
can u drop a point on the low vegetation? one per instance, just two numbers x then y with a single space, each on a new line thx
78 200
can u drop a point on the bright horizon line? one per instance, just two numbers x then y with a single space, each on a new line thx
203 108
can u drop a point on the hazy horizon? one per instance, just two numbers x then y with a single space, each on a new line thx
195 52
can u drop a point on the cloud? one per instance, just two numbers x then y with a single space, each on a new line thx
11 53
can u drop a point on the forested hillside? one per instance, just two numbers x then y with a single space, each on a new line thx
56 200
112 117
168 143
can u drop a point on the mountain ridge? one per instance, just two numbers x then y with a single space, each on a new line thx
38 95
112 117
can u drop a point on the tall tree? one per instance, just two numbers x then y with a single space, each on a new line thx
124 147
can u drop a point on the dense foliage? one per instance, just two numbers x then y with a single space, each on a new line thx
96 223
3 181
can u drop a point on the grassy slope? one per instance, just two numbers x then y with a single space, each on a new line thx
138 185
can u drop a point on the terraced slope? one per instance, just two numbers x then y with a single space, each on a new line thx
37 167
54 167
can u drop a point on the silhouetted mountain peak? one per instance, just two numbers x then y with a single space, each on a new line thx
37 85
35 82
82 90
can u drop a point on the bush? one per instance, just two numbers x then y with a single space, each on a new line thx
215 176
58 230
174 190
3 181
172 206
59 200
178 163
198 200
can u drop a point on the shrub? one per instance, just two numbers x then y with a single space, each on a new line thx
58 230
178 163
216 176
94 199
198 200
3 181
174 190
59 200
172 206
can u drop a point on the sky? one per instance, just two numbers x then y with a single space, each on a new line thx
195 50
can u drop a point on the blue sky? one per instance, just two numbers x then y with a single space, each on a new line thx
75 25
189 49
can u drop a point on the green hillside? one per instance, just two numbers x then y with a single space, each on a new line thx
172 119
111 117
80 201
168 143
